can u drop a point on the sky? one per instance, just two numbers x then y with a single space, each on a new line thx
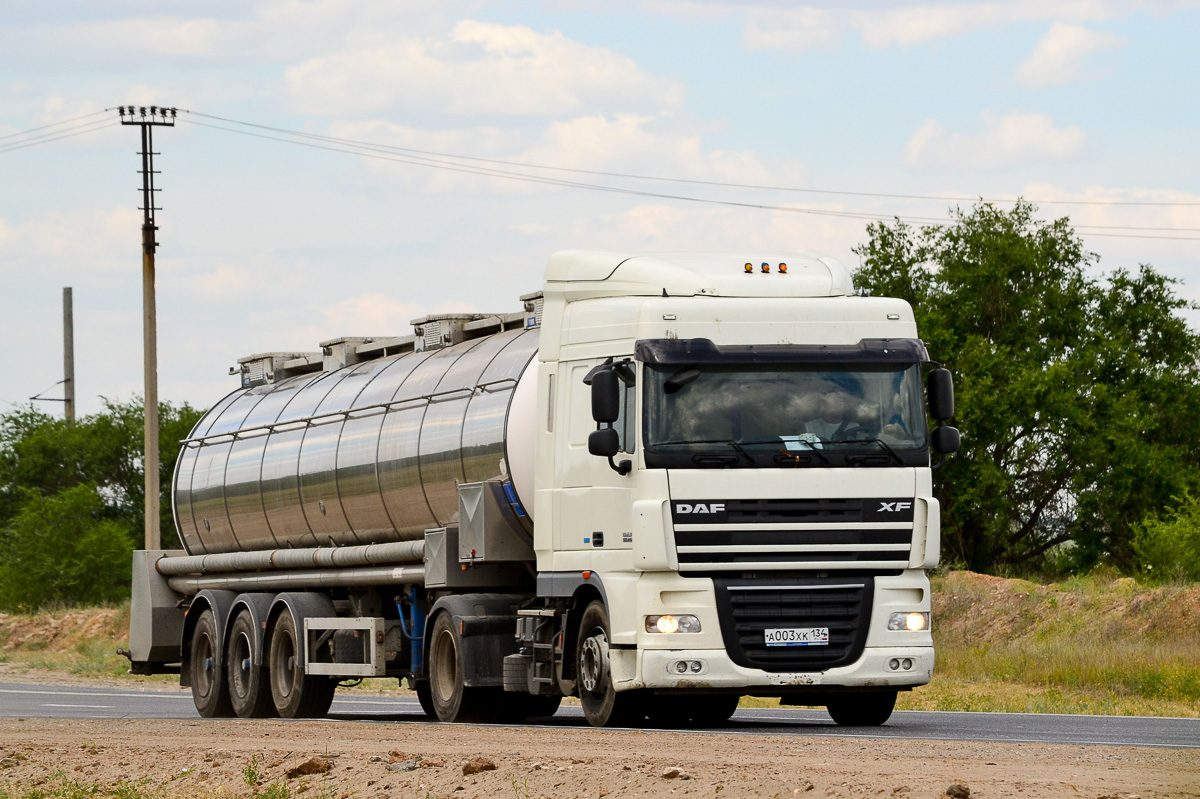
273 241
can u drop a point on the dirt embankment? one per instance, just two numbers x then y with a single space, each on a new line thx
351 759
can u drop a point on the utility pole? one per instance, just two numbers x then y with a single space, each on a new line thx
147 122
69 354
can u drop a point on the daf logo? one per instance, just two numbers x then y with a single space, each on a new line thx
712 507
893 507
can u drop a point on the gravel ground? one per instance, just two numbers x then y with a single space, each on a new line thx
358 759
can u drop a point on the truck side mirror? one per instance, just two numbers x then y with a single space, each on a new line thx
604 442
606 397
939 388
945 440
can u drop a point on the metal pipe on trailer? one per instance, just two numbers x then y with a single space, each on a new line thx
321 557
302 580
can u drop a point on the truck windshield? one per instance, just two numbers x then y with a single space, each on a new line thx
784 415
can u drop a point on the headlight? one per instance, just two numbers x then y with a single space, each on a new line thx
913 622
672 624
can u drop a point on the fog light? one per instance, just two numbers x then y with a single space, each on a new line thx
913 622
668 624
906 663
893 664
679 667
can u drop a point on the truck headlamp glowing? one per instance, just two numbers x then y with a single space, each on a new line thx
913 622
668 624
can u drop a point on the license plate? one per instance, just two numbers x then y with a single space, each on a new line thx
803 636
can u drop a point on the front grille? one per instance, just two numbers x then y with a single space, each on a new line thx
746 608
814 534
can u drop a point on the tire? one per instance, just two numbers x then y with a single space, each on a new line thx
425 697
452 701
296 695
863 710
603 705
249 686
209 690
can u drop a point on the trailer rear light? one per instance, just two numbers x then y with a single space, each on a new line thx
913 622
668 624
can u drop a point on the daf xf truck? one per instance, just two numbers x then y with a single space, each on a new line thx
670 481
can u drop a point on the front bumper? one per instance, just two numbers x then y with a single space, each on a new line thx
657 668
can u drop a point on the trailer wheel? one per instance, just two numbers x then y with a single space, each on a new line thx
249 688
209 691
603 706
452 700
862 710
425 697
296 695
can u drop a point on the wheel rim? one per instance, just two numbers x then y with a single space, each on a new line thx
593 662
204 656
445 667
283 669
242 664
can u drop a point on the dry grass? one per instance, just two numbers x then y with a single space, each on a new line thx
1089 645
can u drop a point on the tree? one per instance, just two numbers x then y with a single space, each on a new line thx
61 549
104 450
1076 394
72 501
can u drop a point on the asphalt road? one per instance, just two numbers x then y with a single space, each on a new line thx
20 700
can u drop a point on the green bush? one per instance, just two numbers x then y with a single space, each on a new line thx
1169 549
62 550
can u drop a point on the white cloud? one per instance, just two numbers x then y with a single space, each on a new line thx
1059 58
82 240
480 68
1015 139
880 25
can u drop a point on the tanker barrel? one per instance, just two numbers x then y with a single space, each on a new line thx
305 471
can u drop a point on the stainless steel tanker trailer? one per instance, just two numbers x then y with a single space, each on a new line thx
670 481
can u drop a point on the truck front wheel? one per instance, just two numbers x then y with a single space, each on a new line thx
603 706
869 709
209 691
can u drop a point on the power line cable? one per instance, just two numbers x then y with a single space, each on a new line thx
46 138
51 125
369 150
720 184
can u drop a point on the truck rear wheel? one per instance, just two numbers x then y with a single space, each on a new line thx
209 691
452 700
603 705
869 709
296 695
249 688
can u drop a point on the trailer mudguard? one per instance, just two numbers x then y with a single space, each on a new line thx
220 602
487 625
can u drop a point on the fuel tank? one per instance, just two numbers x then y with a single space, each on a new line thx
365 454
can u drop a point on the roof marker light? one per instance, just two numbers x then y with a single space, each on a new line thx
766 267
783 269
749 268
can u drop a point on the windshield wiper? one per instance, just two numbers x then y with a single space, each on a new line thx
811 446
728 441
878 441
